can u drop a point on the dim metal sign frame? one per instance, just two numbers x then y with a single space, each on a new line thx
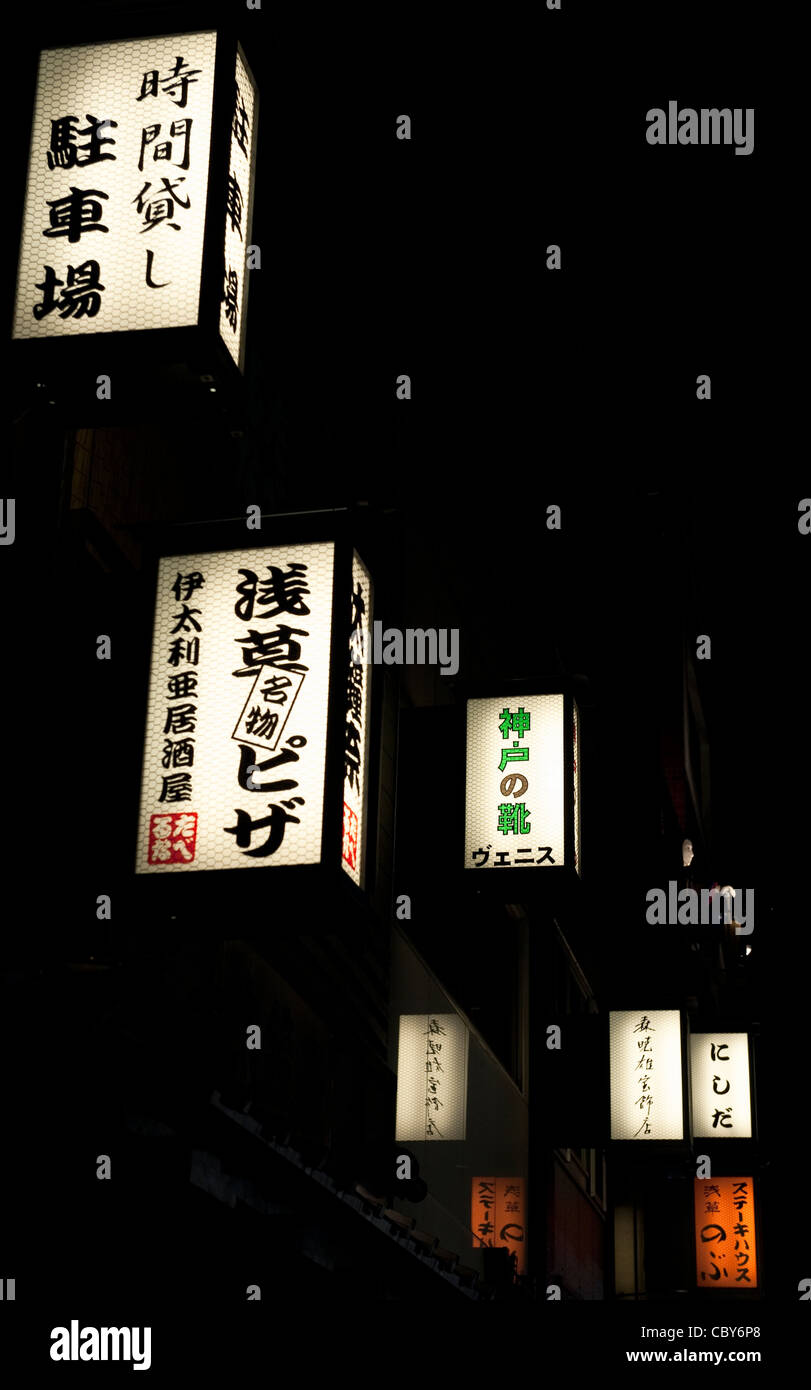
139 201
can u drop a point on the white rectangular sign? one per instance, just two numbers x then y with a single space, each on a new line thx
719 1074
235 746
356 727
431 1078
646 1075
515 782
112 236
238 207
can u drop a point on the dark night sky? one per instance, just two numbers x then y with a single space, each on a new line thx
530 389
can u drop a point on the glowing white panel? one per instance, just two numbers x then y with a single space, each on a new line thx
719 1076
646 1085
239 202
115 207
431 1078
576 792
356 728
515 782
235 747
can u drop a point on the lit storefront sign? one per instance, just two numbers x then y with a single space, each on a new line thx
497 1216
431 1078
646 1075
356 750
523 783
238 217
114 227
719 1073
726 1245
236 731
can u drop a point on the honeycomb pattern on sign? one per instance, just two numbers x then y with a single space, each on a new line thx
355 800
104 81
666 1114
413 1087
232 315
544 770
220 698
731 1067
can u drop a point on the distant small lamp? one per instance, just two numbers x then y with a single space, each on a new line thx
686 853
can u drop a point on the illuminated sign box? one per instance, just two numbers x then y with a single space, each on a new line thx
726 1240
645 1052
522 790
720 1085
497 1216
356 728
245 667
140 189
431 1078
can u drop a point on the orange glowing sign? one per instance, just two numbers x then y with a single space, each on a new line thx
497 1215
726 1251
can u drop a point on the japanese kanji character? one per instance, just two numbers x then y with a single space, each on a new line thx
81 296
233 207
161 206
518 722
63 152
76 213
267 649
512 818
352 754
354 691
180 719
176 787
261 722
184 618
240 124
282 593
515 755
178 754
273 689
182 685
186 584
163 150
230 298
182 650
177 78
